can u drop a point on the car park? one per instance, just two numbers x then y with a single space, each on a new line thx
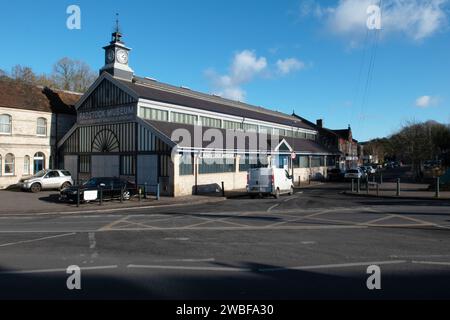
269 181
47 180
110 188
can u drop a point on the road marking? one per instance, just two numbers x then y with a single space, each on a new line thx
57 270
273 207
225 269
176 239
432 263
112 224
334 266
230 269
39 239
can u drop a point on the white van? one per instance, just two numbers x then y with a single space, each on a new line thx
269 181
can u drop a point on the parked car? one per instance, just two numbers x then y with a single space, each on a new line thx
354 174
47 180
369 169
336 174
269 181
111 188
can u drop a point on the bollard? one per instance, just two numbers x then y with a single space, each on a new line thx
359 186
299 181
367 185
121 194
438 181
101 195
140 193
381 178
157 192
223 189
353 185
78 197
378 190
398 187
145 190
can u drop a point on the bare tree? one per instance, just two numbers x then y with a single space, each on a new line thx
23 74
72 75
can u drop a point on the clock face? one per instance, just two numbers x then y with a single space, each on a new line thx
110 56
122 56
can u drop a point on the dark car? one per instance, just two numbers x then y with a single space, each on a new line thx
336 175
111 188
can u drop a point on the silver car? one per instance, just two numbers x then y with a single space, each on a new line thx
47 180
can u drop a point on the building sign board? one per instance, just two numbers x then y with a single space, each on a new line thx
116 114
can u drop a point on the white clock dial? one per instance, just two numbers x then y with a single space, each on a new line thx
122 56
111 55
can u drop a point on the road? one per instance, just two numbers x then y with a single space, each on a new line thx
315 244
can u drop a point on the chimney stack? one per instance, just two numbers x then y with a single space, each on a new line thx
320 123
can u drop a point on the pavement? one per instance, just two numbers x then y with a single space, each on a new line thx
317 243
15 202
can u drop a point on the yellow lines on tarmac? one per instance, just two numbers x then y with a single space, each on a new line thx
38 239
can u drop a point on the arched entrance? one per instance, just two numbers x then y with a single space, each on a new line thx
38 162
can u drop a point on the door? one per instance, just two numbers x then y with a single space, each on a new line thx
71 165
105 166
147 170
52 180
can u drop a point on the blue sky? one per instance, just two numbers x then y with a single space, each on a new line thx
313 57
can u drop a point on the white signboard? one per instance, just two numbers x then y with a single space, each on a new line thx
90 195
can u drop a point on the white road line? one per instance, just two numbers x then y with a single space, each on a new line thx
432 263
229 269
57 270
334 266
39 239
273 207
133 266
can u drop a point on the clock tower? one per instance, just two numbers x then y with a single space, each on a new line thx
117 57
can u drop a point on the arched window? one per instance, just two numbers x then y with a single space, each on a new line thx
41 127
39 162
26 165
9 164
5 123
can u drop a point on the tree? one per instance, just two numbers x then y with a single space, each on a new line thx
23 74
72 75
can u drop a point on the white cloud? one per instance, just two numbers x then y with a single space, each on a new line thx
244 68
416 19
287 66
426 101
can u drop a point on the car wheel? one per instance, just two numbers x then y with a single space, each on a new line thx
65 185
277 194
36 188
126 195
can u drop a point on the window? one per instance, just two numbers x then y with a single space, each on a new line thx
5 124
127 167
303 161
300 134
154 114
317 161
248 162
187 164
85 164
53 174
9 164
26 165
41 127
250 127
211 122
231 125
184 118
39 162
216 166
1 165
266 130
310 136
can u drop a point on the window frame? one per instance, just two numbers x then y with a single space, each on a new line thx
45 126
6 124
13 163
